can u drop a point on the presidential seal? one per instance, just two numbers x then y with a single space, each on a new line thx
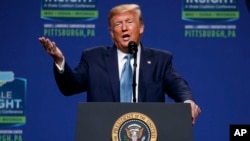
134 127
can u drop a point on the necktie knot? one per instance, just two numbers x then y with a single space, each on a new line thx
128 58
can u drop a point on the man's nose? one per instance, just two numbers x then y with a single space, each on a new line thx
124 27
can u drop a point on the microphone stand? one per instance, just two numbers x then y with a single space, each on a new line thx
132 46
134 77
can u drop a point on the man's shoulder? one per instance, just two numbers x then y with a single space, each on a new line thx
156 51
98 50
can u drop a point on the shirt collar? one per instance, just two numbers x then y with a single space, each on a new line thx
121 54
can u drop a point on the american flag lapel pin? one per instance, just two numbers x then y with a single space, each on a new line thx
148 62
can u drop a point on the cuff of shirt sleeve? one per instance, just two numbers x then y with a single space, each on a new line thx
188 101
61 68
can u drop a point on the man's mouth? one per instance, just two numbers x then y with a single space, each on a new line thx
125 37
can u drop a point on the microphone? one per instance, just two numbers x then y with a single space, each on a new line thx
132 49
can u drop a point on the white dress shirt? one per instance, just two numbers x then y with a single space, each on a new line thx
121 62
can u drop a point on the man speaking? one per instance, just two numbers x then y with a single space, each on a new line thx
106 73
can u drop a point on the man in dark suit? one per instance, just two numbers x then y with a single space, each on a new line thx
99 70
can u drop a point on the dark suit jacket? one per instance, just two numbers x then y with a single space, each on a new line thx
97 73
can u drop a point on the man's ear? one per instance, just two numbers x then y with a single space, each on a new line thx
142 28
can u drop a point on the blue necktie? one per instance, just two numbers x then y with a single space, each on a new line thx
126 81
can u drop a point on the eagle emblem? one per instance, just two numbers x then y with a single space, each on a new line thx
134 132
134 126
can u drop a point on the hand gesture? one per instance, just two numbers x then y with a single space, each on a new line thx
51 48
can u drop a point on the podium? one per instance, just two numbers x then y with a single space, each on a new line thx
138 121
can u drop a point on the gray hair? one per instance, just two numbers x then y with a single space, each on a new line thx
125 8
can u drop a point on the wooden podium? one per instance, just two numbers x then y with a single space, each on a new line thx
140 121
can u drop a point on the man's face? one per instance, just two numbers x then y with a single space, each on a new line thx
125 27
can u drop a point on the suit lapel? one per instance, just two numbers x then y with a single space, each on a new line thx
111 62
145 67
